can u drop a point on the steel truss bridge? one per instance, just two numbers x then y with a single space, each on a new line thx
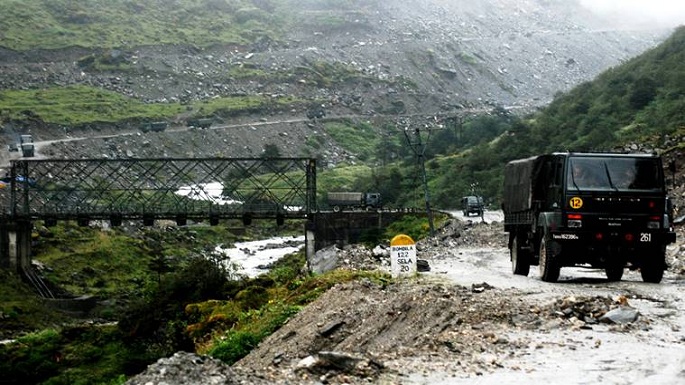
151 189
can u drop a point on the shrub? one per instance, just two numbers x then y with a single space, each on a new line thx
415 227
236 346
252 297
160 320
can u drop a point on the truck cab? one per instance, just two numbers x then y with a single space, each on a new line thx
599 210
472 204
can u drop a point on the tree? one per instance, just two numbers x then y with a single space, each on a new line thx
271 151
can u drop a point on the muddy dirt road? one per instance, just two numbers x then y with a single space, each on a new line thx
649 351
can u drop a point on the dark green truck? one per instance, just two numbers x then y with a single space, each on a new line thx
597 210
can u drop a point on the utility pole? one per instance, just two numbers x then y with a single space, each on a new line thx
419 148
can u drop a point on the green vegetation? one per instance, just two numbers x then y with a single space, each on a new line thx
360 139
82 258
636 101
36 24
416 227
76 104
21 309
71 355
190 305
640 102
55 24
167 292
79 104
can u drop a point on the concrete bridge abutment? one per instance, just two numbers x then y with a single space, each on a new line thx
15 245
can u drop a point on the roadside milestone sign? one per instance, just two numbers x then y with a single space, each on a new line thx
402 256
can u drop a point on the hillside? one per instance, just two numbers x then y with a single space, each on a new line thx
634 107
256 68
373 57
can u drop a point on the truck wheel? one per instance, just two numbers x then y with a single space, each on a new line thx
653 270
549 268
336 209
520 259
614 271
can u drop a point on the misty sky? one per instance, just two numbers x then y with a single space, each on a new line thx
665 13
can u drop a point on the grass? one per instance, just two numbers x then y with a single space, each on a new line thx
77 104
21 310
360 138
116 265
56 24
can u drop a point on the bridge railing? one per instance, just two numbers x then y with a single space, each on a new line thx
159 188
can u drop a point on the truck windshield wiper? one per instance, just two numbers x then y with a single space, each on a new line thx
573 179
606 170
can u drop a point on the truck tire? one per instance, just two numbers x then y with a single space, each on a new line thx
520 258
653 270
549 268
614 270
336 209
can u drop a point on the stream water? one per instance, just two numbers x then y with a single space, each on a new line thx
253 258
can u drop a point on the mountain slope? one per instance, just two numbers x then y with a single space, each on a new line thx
419 56
641 98
634 107
379 66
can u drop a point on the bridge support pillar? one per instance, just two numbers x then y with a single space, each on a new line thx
309 241
4 245
19 246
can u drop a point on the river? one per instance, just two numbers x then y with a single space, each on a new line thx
252 258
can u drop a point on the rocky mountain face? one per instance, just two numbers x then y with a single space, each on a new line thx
417 57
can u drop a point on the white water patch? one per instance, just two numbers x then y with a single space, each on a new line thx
212 192
252 258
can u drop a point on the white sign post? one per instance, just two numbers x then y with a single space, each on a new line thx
402 256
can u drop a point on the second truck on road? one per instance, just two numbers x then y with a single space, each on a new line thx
339 201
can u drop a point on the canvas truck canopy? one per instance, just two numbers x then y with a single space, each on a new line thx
519 177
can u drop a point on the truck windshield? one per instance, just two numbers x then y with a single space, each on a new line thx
615 173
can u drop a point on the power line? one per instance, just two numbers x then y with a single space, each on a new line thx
418 146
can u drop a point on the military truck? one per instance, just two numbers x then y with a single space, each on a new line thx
26 145
154 127
26 138
613 215
28 150
354 200
472 204
200 123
